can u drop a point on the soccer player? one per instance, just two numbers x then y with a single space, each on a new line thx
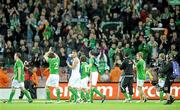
141 75
53 79
84 79
161 75
18 81
127 78
74 81
94 77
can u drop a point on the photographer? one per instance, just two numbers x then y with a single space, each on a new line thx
28 82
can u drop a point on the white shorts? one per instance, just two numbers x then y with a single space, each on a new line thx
16 84
140 83
161 82
74 82
53 80
94 78
84 82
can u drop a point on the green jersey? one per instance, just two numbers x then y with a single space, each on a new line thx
93 68
54 65
19 65
92 43
141 65
84 70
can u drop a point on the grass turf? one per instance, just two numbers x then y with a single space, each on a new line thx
97 105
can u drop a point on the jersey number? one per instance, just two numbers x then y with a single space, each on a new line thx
86 68
56 66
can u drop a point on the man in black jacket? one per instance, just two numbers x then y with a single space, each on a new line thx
127 78
168 71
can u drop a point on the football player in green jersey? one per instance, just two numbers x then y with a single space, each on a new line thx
94 77
84 69
18 81
53 79
141 75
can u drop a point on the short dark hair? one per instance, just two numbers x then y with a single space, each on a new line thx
126 54
83 58
51 55
92 52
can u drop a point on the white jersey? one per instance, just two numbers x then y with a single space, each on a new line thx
76 70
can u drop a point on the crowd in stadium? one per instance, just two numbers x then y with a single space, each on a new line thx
112 28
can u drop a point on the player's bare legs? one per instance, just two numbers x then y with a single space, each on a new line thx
143 97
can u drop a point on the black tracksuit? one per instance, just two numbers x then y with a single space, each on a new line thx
167 69
127 78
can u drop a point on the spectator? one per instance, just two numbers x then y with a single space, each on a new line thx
171 26
36 52
115 73
111 54
35 82
153 47
92 39
105 77
9 36
63 58
4 80
1 45
102 63
14 18
143 47
8 53
23 49
31 27
164 46
172 50
4 26
128 50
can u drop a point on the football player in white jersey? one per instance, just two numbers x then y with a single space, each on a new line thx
74 81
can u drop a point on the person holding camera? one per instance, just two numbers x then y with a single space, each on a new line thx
28 84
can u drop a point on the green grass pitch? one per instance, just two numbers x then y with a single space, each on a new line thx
97 105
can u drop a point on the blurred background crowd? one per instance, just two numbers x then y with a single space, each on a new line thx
111 27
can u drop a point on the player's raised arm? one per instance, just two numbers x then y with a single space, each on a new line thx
47 53
46 56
